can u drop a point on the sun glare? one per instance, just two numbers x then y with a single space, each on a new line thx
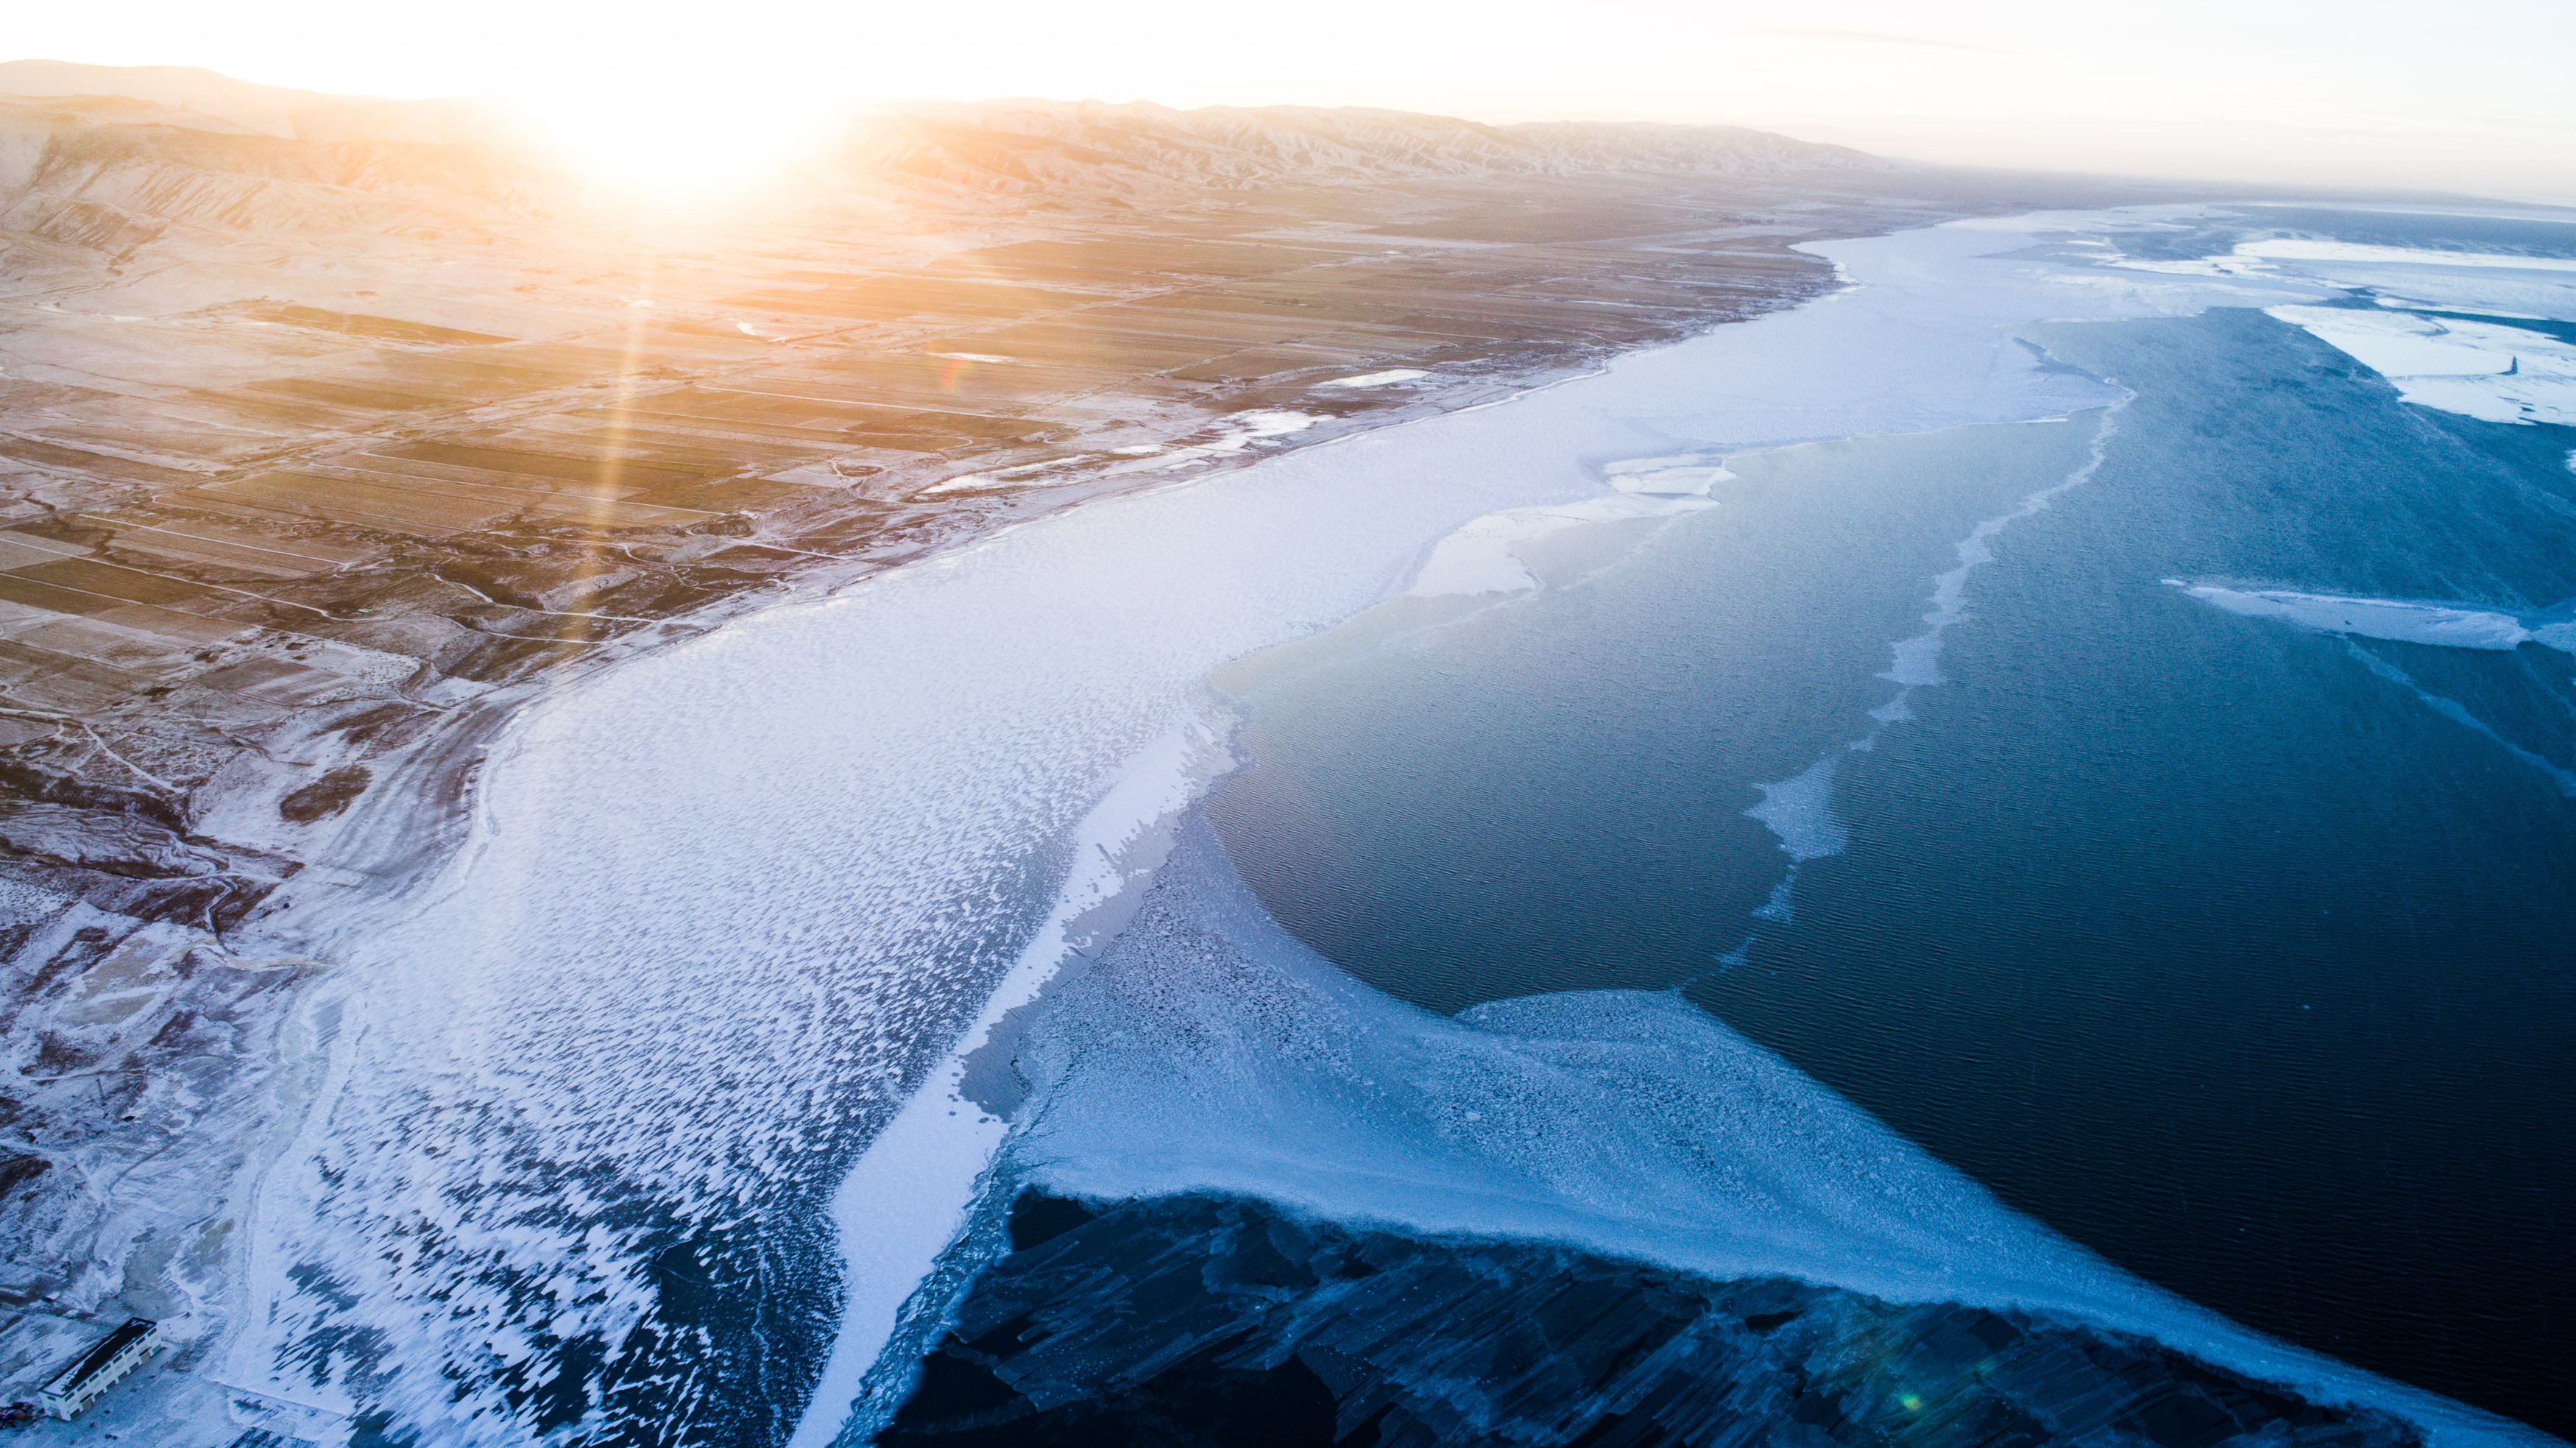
676 138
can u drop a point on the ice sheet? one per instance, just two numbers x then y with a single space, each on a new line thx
2408 346
2454 625
2436 358
2287 248
1479 557
1687 475
2480 369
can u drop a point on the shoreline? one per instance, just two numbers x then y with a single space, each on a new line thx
446 772
460 766
411 824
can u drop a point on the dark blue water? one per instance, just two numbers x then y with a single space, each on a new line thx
2214 943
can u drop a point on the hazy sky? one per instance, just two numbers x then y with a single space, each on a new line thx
2472 96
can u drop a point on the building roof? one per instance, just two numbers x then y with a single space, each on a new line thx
89 1364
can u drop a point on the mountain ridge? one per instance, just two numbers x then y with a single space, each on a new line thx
98 142
194 95
1015 144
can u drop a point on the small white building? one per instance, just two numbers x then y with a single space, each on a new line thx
95 1371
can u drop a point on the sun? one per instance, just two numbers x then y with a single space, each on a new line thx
676 136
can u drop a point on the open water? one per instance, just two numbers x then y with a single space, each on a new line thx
2235 947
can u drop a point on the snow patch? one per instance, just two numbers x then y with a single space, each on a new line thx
1241 430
